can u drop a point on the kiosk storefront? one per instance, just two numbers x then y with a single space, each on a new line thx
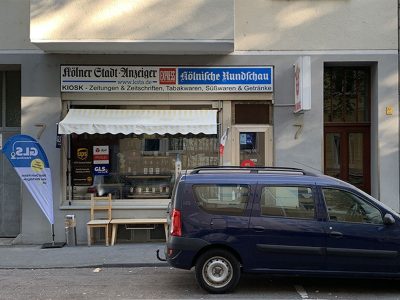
128 130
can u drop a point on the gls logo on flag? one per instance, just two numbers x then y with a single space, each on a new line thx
30 162
20 151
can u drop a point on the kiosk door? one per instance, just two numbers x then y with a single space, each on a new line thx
252 145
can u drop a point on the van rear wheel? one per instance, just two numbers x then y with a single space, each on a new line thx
217 271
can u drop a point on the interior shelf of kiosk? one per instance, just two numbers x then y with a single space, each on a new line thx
155 176
148 195
149 185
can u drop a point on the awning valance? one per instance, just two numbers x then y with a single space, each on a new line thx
139 121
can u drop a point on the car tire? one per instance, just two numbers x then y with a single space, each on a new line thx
217 271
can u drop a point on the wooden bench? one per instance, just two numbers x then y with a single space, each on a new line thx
116 222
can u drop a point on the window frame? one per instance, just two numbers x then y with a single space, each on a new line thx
366 200
3 100
314 195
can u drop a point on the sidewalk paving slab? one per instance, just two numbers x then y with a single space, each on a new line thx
120 255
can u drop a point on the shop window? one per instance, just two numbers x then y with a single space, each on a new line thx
10 96
134 166
250 113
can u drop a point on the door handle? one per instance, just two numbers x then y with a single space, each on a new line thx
336 234
258 228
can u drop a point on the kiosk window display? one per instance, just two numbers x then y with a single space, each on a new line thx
133 166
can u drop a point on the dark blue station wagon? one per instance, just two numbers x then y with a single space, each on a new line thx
228 220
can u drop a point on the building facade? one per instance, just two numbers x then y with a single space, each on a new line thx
136 90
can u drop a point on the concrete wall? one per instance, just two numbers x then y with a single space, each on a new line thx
263 25
14 25
315 25
131 20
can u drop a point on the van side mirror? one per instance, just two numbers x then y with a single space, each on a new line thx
388 219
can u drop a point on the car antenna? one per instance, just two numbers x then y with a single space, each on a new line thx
319 171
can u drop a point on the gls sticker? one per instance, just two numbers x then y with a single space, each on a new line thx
100 169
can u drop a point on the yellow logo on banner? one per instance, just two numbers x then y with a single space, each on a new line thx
37 165
82 153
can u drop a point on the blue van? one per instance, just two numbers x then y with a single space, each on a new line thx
229 220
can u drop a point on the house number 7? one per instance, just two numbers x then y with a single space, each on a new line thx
41 128
298 131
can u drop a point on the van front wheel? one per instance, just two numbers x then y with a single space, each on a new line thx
217 271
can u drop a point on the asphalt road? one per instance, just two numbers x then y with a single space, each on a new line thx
168 283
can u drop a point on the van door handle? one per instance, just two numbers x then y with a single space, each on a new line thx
258 228
336 234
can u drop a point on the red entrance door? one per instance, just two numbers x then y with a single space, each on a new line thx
347 154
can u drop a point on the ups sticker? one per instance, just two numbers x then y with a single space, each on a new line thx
82 153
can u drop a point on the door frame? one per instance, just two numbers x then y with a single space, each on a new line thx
266 129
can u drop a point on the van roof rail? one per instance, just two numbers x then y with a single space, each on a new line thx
257 170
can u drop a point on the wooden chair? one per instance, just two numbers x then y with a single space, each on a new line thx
100 216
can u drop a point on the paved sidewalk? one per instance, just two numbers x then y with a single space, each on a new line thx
33 256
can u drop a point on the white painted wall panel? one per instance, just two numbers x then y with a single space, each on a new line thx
14 25
315 24
131 20
259 24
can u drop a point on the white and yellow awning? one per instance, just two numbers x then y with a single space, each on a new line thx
139 121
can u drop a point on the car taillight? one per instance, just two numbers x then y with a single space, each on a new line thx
176 224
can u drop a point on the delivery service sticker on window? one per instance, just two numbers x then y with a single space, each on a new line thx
101 160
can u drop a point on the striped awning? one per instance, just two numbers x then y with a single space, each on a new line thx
139 121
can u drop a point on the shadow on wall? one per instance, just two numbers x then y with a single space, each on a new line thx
304 25
131 20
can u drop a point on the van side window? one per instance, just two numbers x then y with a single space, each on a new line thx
346 207
222 199
287 201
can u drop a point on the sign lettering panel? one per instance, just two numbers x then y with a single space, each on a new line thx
135 79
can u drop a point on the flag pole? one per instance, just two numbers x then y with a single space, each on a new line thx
222 144
52 233
53 244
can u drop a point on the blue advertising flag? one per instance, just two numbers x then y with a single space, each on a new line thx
30 162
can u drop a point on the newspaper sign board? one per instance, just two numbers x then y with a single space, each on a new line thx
149 79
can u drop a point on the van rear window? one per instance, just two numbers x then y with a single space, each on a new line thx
222 199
